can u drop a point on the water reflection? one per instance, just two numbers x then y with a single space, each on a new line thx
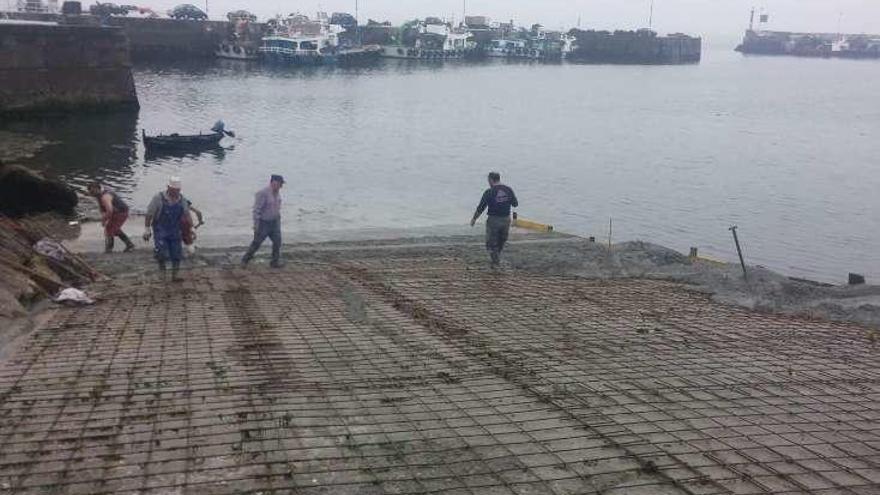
674 154
85 147
218 153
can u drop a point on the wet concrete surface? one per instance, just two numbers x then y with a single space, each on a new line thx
359 369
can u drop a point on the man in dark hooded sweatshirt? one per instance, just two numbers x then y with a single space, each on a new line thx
498 199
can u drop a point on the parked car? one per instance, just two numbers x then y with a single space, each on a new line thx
346 20
109 9
187 11
241 15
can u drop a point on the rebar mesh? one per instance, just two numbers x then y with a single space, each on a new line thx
423 375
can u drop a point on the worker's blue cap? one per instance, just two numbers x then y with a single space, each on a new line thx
277 178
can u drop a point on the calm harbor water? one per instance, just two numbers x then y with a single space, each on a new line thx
785 148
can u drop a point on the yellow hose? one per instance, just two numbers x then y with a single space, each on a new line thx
530 225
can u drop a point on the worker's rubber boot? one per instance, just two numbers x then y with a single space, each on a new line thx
129 246
175 272
108 244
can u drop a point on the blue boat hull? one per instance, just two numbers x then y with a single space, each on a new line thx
299 60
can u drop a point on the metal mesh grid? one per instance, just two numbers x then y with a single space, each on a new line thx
424 376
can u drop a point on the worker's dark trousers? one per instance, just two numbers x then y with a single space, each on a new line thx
497 230
272 230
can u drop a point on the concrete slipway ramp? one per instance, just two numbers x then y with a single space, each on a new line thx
408 367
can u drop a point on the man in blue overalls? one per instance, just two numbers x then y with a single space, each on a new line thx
163 223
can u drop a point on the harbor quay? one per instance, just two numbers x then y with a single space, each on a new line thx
758 41
49 67
408 367
322 38
825 45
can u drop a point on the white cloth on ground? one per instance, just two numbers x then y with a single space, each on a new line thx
73 296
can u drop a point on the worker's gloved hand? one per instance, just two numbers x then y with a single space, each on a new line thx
147 235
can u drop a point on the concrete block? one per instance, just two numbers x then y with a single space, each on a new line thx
45 67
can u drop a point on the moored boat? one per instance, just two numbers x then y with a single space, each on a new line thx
298 50
507 49
431 39
181 141
536 48
299 40
243 41
186 142
235 51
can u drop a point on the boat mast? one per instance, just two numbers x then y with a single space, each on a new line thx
357 26
651 16
752 20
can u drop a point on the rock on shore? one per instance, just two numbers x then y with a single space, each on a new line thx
23 191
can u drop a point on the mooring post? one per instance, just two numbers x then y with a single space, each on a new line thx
856 279
610 225
740 253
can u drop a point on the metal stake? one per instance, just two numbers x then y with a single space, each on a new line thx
609 231
739 252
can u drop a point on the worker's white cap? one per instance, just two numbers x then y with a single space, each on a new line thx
174 182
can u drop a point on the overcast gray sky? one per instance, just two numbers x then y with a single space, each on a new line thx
700 17
705 17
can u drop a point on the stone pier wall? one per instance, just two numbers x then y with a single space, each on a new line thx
48 67
630 47
168 39
160 38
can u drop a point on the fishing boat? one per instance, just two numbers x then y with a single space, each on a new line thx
243 41
530 49
431 39
298 50
299 40
236 51
186 142
507 48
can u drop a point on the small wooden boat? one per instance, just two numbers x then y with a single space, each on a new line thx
186 142
182 142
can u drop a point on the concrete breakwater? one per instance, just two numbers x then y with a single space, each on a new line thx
634 47
810 44
47 66
168 39
174 39
159 38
